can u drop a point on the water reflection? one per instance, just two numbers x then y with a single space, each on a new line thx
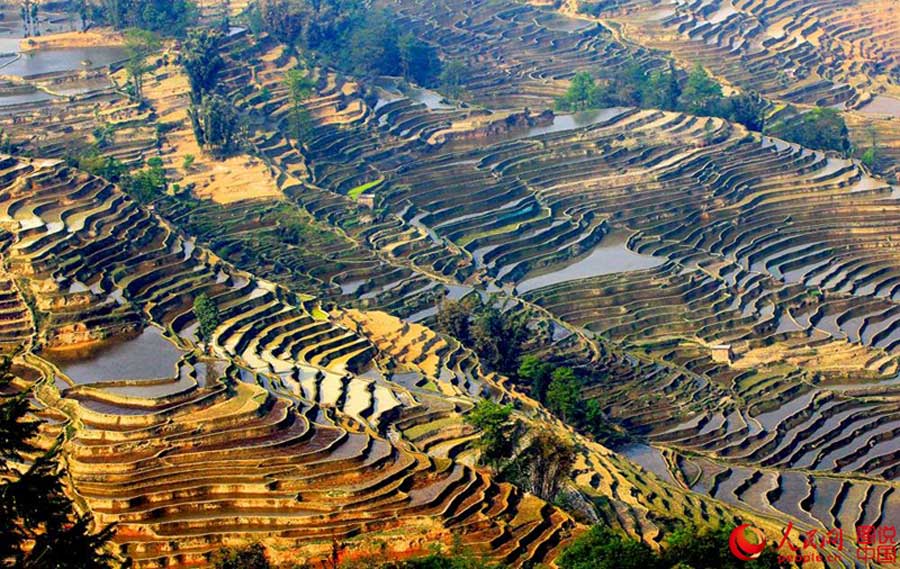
148 355
612 255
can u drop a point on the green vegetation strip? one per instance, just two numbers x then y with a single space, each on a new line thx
358 190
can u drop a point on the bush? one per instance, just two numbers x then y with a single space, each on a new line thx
685 548
820 128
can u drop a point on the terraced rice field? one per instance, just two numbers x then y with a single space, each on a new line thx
824 52
325 406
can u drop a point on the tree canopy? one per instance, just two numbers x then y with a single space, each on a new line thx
202 62
819 128
687 547
252 556
537 374
582 93
669 89
300 88
350 35
39 526
207 314
564 395
139 44
496 336
217 126
499 432
169 17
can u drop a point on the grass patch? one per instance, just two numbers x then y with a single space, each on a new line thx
466 239
425 428
355 192
319 314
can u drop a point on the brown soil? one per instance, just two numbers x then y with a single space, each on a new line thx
90 38
233 179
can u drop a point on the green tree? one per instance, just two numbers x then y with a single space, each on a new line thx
300 88
84 14
537 374
250 557
708 547
702 95
870 156
453 77
602 548
685 547
453 320
748 109
459 557
139 44
581 94
216 125
207 314
39 526
564 395
419 61
148 184
169 17
373 46
202 62
820 128
499 434
282 18
593 415
498 337
28 10
544 465
100 165
659 89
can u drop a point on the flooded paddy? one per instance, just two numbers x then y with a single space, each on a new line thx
149 355
649 458
576 120
612 255
40 62
882 105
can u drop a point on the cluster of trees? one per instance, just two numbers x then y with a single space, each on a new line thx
148 183
696 93
685 548
820 128
39 526
202 62
536 460
559 388
350 35
28 10
453 77
217 125
300 88
699 94
597 9
496 336
500 338
168 17
139 44
206 311
296 229
144 184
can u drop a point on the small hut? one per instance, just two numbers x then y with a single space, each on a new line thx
722 353
366 200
